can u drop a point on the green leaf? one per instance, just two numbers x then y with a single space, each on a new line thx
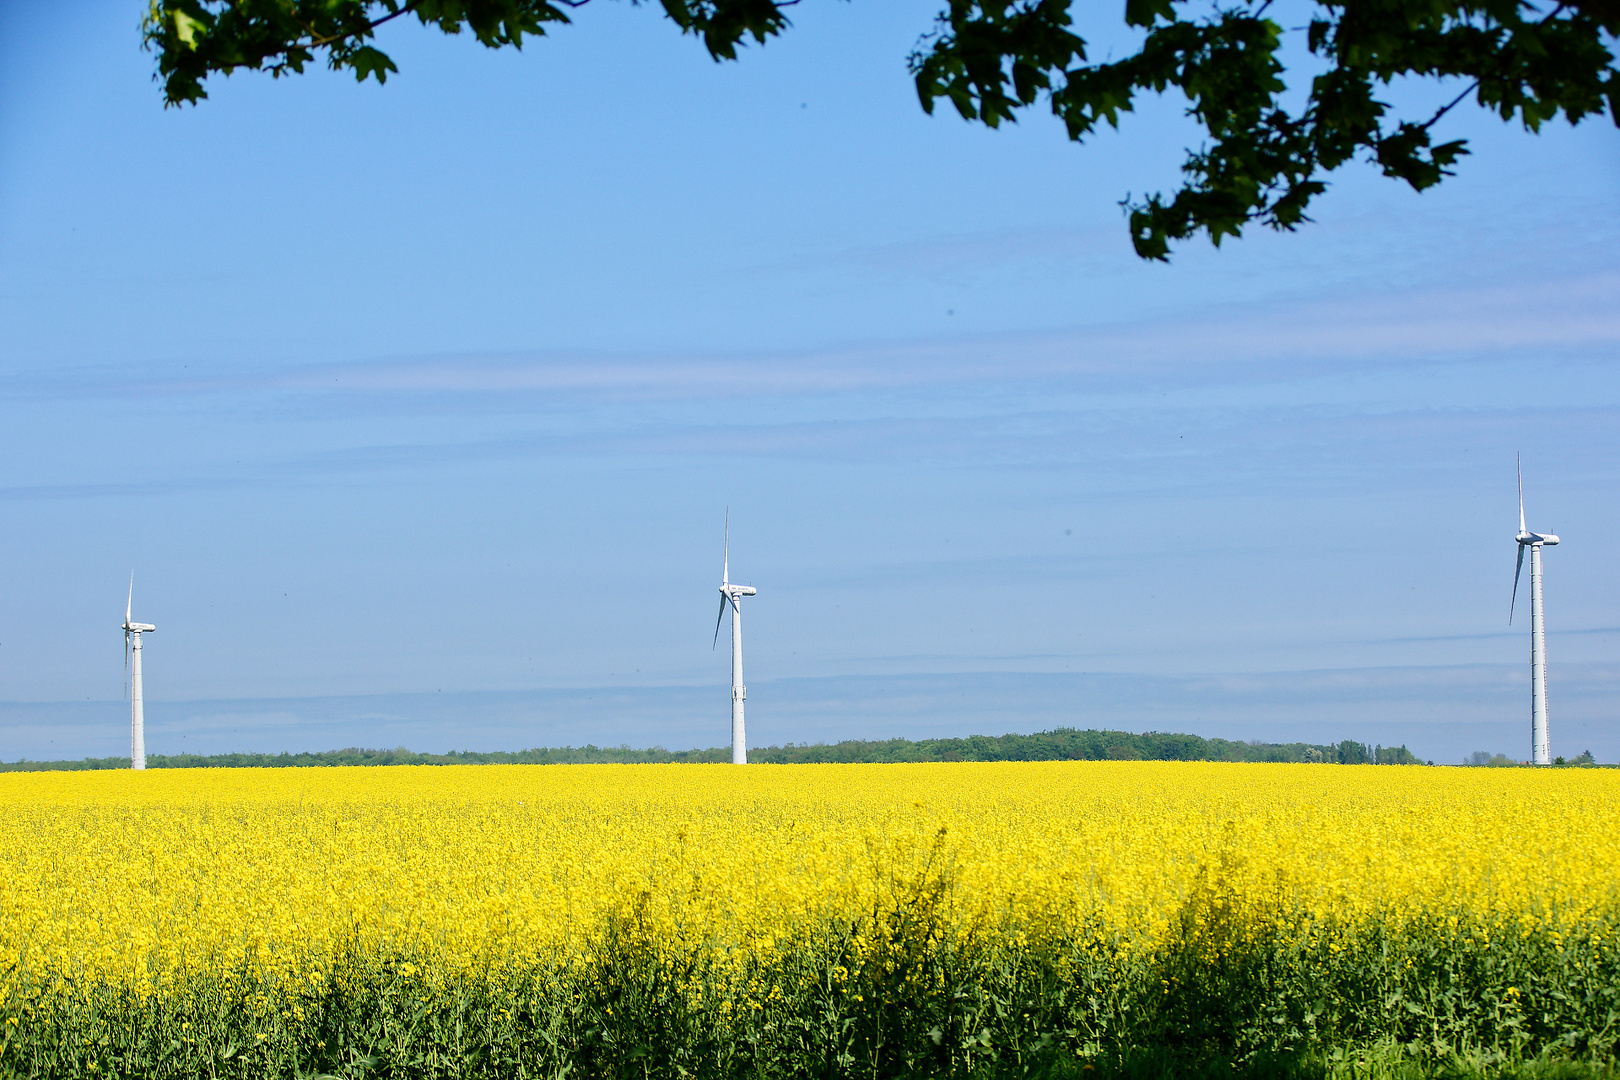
185 28
369 61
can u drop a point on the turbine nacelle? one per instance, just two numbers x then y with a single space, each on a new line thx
1525 539
728 591
728 595
130 625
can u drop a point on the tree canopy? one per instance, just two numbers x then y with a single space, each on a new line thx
1269 148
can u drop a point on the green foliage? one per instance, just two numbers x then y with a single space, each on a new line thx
1060 744
1264 160
197 38
895 993
1483 758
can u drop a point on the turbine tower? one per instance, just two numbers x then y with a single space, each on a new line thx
132 662
728 595
1540 753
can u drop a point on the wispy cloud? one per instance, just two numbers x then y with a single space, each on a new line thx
1127 447
1233 343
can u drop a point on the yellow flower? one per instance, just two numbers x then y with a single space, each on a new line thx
282 880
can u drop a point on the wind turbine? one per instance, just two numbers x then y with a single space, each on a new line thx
132 662
1540 753
739 693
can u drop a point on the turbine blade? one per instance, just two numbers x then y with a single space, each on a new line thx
129 605
717 620
1520 466
1517 567
126 662
725 565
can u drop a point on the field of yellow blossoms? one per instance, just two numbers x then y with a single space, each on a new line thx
827 920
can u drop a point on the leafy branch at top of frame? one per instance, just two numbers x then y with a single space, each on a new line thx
197 38
1263 162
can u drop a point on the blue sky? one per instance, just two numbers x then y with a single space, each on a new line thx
416 410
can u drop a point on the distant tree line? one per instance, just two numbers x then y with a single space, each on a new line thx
1486 759
1354 753
1060 744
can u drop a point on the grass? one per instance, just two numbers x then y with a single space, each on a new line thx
1382 1060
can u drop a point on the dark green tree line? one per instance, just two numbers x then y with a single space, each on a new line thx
1060 744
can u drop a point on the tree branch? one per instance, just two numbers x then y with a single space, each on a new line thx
1447 108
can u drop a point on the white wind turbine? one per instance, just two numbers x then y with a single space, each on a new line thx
728 595
1540 753
132 662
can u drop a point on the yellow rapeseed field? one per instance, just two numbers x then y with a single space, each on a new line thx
144 879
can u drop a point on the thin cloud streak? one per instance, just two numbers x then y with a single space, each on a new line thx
1263 341
1146 451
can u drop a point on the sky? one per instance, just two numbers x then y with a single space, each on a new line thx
417 410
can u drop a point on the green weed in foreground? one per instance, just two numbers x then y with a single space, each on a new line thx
1429 1002
1372 1061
